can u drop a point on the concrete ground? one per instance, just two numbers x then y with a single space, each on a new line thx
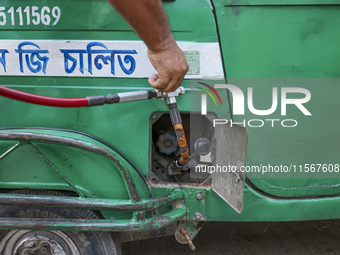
274 238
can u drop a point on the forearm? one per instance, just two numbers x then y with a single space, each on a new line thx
149 21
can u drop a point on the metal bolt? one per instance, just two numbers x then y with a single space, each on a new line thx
198 216
187 238
199 195
154 116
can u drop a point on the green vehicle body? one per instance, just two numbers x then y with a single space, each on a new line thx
260 42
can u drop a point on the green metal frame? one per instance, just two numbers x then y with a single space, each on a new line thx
125 127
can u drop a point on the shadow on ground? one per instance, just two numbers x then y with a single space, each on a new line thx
225 238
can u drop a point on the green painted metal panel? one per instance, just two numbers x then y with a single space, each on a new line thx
88 18
257 42
271 46
96 20
90 174
29 169
280 2
280 42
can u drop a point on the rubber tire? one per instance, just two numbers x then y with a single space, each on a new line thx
88 243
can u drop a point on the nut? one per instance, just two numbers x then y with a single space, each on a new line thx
199 195
198 216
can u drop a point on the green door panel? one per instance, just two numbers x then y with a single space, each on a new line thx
280 41
284 44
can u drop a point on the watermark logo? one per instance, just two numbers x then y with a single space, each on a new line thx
294 96
204 97
238 100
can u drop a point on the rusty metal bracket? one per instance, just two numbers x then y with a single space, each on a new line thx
196 217
195 201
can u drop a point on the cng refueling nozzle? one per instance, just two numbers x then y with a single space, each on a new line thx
176 121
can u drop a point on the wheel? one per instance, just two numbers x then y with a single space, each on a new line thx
34 242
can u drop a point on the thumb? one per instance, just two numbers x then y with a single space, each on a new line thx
157 82
153 79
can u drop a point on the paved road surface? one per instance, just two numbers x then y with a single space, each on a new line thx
274 238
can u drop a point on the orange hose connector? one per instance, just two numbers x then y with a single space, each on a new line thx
182 143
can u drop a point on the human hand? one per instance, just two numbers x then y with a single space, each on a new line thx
171 66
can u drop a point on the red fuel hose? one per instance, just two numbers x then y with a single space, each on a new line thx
42 100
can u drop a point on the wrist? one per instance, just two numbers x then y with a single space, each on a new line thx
163 45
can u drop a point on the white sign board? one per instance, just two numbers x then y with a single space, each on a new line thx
99 59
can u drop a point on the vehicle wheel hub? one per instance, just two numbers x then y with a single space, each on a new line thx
26 242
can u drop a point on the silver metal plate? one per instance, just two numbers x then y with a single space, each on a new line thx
230 144
193 59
